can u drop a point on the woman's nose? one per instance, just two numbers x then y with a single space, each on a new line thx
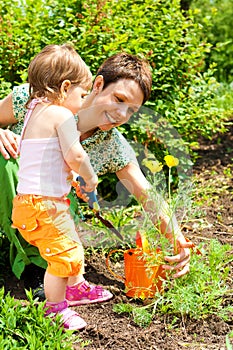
122 111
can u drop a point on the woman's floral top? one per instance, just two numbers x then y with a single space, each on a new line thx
109 151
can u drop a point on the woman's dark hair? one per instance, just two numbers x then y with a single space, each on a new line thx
126 66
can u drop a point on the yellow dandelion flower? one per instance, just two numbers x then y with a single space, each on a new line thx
171 161
153 165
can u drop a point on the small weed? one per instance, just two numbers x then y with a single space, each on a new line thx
142 317
208 188
81 343
228 171
173 324
228 341
122 308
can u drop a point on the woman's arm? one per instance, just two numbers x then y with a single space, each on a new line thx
136 183
8 140
6 111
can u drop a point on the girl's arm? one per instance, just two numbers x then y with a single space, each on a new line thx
74 154
136 183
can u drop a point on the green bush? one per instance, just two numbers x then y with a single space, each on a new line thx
183 100
23 326
216 19
183 91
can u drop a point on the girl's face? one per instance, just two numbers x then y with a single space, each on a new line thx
75 98
115 104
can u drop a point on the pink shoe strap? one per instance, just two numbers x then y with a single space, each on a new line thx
84 290
55 307
70 317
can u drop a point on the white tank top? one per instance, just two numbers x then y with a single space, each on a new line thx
42 169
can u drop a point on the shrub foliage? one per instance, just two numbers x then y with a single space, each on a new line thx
183 89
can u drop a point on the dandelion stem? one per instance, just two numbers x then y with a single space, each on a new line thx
169 184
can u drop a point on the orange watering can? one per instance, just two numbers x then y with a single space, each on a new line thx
142 278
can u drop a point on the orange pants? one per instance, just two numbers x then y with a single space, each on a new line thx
46 223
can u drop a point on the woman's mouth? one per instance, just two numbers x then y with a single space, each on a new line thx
109 118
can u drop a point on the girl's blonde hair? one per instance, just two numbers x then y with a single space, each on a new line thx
50 67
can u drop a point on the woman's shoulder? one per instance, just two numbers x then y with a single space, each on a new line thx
110 136
114 149
21 91
20 96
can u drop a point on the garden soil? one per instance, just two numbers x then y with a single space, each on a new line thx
109 330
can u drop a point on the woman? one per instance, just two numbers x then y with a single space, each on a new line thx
122 85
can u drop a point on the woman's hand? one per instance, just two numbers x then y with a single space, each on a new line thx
181 261
8 143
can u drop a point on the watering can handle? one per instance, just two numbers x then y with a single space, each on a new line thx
109 268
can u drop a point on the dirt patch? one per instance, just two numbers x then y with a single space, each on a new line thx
108 330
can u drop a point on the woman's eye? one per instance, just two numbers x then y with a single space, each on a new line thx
119 99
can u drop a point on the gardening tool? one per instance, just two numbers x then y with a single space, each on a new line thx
142 278
94 205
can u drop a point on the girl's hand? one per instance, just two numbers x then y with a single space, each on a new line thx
91 183
78 191
181 261
8 143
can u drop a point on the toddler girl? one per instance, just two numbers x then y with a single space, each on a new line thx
49 150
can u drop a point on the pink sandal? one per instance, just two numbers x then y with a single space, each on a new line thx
85 293
70 318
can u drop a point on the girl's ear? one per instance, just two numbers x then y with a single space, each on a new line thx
66 84
98 84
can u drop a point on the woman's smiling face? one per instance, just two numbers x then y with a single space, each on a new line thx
115 104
